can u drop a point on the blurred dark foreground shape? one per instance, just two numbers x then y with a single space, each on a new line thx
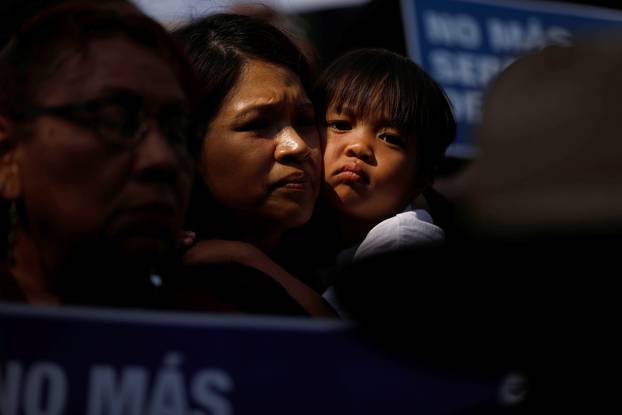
528 285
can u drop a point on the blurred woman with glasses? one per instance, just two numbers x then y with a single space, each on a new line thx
96 145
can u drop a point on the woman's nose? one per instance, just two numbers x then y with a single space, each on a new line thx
291 146
154 155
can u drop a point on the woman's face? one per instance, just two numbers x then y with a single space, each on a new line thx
261 155
78 183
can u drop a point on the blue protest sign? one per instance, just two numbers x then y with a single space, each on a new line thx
97 362
464 44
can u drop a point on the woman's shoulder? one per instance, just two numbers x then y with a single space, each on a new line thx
233 287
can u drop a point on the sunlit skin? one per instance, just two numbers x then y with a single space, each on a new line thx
261 156
369 168
80 192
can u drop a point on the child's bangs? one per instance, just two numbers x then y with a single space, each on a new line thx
374 96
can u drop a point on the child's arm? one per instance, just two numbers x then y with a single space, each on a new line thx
223 251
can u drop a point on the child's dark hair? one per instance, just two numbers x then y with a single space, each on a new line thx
380 84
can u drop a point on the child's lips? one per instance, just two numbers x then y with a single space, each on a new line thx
352 173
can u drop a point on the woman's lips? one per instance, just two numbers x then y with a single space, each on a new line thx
294 181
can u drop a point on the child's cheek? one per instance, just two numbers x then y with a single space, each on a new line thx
323 138
329 159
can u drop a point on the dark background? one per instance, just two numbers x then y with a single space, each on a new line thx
376 24
331 31
379 24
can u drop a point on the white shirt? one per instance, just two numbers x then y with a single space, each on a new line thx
412 227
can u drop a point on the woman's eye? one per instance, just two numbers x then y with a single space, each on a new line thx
339 125
395 140
117 120
255 125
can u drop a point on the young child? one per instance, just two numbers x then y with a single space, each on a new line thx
387 125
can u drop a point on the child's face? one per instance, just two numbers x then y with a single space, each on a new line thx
369 167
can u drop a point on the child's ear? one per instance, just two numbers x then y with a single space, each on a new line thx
10 182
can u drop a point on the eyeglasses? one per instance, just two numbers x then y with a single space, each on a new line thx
121 120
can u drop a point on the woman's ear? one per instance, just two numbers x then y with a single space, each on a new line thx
10 183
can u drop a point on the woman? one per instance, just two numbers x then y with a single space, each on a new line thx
96 137
260 161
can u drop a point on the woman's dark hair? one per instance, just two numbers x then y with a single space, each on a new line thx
220 45
377 83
